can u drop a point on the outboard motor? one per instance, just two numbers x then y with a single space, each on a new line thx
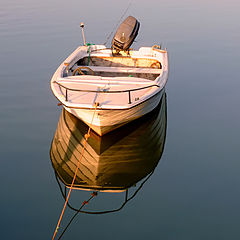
125 34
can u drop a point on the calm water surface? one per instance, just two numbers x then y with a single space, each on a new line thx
194 191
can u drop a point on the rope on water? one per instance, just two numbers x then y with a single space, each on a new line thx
93 194
127 199
87 135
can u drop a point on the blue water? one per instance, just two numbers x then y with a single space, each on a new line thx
194 191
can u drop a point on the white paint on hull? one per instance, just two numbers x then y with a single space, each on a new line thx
105 121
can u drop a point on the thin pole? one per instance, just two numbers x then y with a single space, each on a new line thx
83 35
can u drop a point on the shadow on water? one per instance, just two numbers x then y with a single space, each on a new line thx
112 163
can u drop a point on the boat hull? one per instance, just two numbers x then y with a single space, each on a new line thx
103 121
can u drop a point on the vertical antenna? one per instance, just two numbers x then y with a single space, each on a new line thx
83 35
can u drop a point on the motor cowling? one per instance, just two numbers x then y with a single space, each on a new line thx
125 34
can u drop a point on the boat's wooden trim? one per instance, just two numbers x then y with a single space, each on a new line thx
96 80
126 69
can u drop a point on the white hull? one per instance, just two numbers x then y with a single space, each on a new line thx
107 120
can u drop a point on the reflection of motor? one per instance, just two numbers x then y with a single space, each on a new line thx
125 34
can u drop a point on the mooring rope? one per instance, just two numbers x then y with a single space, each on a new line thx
86 136
93 194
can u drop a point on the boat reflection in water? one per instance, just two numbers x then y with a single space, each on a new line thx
114 162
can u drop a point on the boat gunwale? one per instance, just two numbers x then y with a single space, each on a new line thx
103 91
112 109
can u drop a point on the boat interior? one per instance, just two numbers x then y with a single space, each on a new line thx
118 66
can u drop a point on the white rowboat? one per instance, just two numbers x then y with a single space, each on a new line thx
114 88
